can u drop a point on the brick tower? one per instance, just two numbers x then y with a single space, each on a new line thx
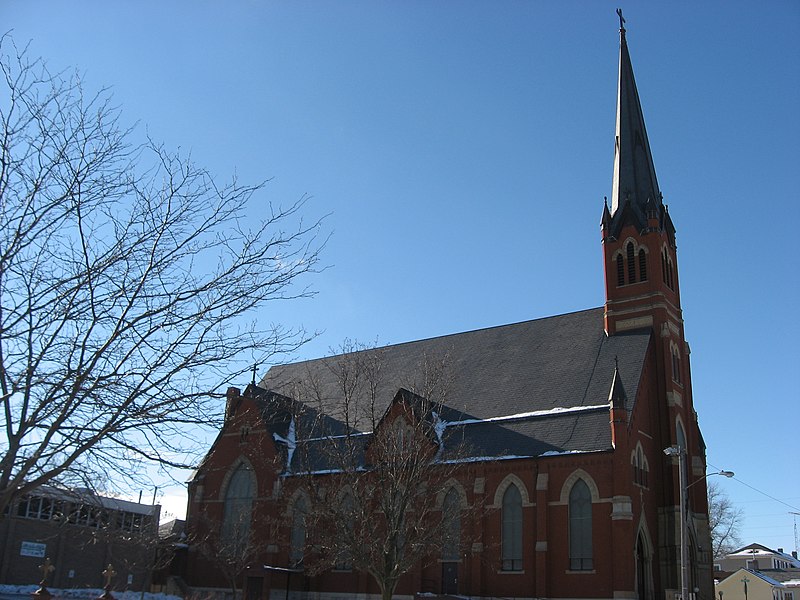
643 292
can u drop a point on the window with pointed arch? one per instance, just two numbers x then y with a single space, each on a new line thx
512 529
676 364
298 534
238 509
642 265
451 516
344 560
630 258
580 527
640 467
666 269
401 435
643 569
680 435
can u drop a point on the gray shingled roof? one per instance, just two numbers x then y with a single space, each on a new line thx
543 365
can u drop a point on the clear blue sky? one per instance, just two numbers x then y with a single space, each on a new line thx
463 150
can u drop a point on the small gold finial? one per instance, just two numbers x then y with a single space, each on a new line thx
109 574
46 569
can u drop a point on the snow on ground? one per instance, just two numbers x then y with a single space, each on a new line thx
15 592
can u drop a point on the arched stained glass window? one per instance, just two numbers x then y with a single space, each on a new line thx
238 503
298 538
451 514
344 561
680 435
580 527
512 529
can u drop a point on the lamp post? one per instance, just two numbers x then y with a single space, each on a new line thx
684 486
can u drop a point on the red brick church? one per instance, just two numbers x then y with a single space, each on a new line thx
566 419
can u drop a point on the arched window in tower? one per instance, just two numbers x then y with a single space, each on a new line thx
451 515
512 529
680 435
642 265
664 265
580 527
670 282
676 364
620 270
631 262
238 509
640 467
298 534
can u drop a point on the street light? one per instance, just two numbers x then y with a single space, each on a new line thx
684 485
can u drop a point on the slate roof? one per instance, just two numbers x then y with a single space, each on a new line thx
543 385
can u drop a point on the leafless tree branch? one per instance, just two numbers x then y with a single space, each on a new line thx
129 278
724 521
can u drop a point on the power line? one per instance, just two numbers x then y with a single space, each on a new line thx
760 491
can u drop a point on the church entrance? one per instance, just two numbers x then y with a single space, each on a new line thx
254 587
643 577
449 578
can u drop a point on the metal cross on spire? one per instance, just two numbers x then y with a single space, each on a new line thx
621 19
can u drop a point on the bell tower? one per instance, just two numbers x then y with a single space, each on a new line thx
643 292
641 272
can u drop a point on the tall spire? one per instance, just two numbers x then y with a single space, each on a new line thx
634 174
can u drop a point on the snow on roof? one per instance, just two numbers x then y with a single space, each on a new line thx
753 552
766 578
527 415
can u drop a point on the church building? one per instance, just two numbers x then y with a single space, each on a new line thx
562 481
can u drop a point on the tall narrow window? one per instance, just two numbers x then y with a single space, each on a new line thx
676 365
642 265
512 529
664 265
580 527
238 504
680 435
451 515
631 263
298 538
620 271
344 561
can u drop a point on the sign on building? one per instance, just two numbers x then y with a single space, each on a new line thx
33 549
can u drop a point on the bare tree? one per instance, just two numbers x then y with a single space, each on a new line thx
372 480
724 521
129 278
230 546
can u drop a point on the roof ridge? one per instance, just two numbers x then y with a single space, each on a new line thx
436 337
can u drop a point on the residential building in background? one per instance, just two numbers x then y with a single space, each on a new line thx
757 558
746 584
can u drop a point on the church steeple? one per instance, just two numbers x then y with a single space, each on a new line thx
637 232
634 186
